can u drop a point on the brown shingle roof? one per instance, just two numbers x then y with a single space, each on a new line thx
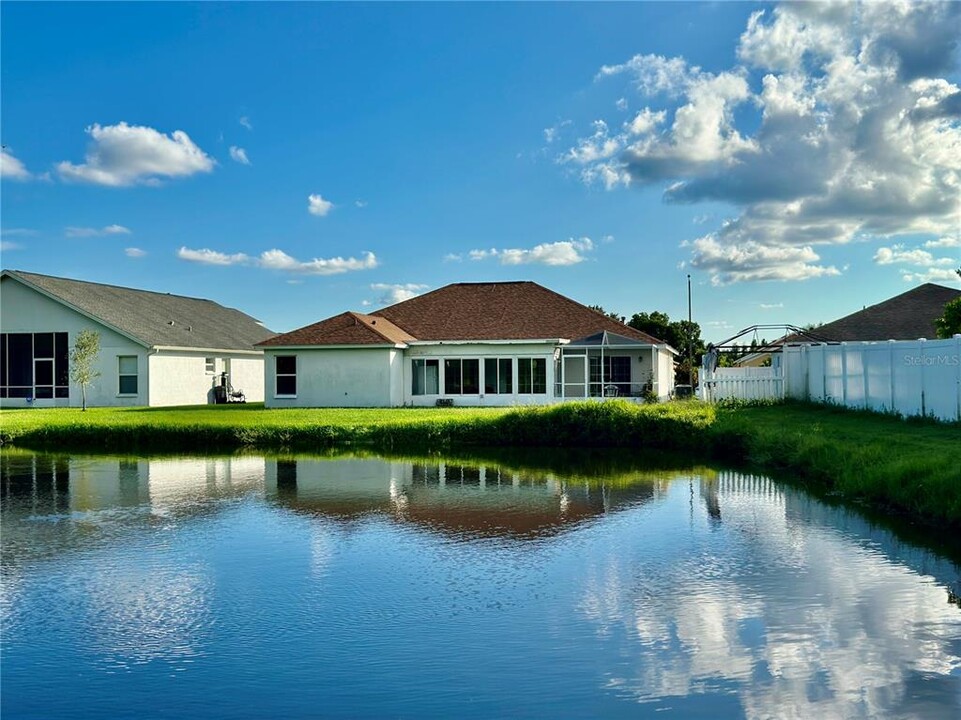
501 311
907 316
469 312
348 328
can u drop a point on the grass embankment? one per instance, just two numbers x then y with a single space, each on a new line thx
913 466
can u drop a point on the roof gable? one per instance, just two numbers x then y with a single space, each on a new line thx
348 328
151 318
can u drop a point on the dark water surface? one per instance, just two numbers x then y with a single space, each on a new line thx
252 587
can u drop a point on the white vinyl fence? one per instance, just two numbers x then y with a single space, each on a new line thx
910 377
749 383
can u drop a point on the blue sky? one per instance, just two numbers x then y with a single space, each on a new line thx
296 160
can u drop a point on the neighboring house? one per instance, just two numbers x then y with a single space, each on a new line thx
908 316
471 344
155 348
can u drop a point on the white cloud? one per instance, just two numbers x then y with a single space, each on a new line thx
654 73
916 256
854 128
930 275
751 261
82 232
205 256
18 232
944 242
11 168
279 260
621 104
6 245
645 121
316 205
563 252
129 154
771 306
238 154
392 294
453 257
360 203
133 252
245 121
552 133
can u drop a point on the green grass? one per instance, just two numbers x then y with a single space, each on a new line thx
913 467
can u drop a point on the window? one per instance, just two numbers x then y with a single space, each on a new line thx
425 377
34 365
498 376
210 366
532 376
127 372
461 377
286 375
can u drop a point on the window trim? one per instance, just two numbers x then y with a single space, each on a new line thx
529 361
122 375
414 371
210 365
500 362
278 375
460 376
57 355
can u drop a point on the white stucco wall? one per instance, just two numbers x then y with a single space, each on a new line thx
333 377
180 377
382 376
665 374
24 310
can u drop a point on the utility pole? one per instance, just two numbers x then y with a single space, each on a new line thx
690 337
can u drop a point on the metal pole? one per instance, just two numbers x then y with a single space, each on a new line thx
690 339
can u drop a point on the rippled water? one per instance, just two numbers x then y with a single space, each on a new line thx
264 587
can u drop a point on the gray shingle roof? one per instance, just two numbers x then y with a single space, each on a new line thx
155 319
907 316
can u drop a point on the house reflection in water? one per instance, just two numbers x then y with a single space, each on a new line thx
462 500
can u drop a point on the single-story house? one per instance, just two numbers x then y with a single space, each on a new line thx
155 348
908 316
505 343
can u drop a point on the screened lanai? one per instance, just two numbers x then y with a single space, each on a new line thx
606 365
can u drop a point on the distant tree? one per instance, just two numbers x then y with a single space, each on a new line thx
683 336
656 323
82 359
949 324
611 315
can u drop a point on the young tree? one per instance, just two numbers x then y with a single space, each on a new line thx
82 359
949 324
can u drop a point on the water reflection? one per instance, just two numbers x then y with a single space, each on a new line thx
794 617
297 583
459 500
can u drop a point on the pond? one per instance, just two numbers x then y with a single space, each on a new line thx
365 586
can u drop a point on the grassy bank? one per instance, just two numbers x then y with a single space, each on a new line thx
911 466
